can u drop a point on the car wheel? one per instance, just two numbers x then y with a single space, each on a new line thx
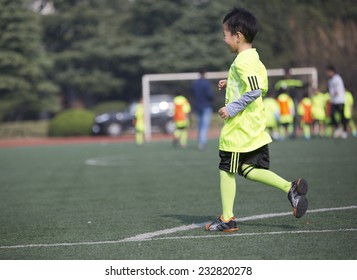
169 127
114 129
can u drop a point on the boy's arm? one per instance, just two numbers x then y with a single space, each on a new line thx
241 103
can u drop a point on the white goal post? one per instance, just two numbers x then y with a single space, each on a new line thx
147 79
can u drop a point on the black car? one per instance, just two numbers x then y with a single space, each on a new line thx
117 123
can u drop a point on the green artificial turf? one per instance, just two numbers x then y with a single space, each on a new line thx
84 201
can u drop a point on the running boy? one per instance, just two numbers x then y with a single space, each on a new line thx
243 146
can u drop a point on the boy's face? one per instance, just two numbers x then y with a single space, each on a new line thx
230 39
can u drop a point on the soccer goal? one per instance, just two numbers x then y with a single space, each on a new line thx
309 72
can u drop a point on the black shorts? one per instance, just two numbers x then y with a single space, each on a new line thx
232 161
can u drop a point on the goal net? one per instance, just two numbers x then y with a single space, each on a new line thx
173 83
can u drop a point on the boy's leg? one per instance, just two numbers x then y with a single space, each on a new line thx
139 136
282 131
266 177
276 134
322 128
226 222
307 131
328 130
296 190
183 137
204 127
176 135
291 130
254 166
352 126
228 168
228 193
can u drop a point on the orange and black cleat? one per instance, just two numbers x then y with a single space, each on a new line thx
222 225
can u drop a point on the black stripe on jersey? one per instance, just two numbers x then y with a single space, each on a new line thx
253 82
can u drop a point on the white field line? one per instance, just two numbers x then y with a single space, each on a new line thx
151 235
155 235
253 234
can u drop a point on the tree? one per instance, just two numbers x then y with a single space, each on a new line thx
25 91
82 37
100 49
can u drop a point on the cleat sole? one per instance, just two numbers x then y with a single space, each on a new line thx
231 230
301 207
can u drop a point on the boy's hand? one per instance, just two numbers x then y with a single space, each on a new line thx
222 84
223 113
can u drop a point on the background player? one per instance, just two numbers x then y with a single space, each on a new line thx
181 119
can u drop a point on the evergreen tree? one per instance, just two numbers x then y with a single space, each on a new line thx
82 37
101 48
25 91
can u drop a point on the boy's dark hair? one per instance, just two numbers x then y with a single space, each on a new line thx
243 21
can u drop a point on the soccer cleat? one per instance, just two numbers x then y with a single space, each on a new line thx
297 198
221 225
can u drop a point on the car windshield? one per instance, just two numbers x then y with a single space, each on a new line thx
132 108
156 107
160 106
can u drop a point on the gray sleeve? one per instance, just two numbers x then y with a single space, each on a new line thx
241 103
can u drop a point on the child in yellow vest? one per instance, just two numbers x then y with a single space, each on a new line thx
349 111
287 112
328 122
272 113
318 112
305 113
181 119
139 124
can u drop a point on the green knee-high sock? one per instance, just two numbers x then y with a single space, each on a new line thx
177 133
266 177
282 132
352 125
139 136
183 138
328 131
291 129
228 193
307 131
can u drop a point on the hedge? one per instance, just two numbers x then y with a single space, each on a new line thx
24 129
72 122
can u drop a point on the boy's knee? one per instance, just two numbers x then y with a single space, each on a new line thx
246 169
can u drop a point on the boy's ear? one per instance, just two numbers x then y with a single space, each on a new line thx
239 36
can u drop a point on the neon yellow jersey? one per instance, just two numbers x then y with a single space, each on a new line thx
287 109
245 132
318 106
182 109
139 117
272 111
285 84
348 105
